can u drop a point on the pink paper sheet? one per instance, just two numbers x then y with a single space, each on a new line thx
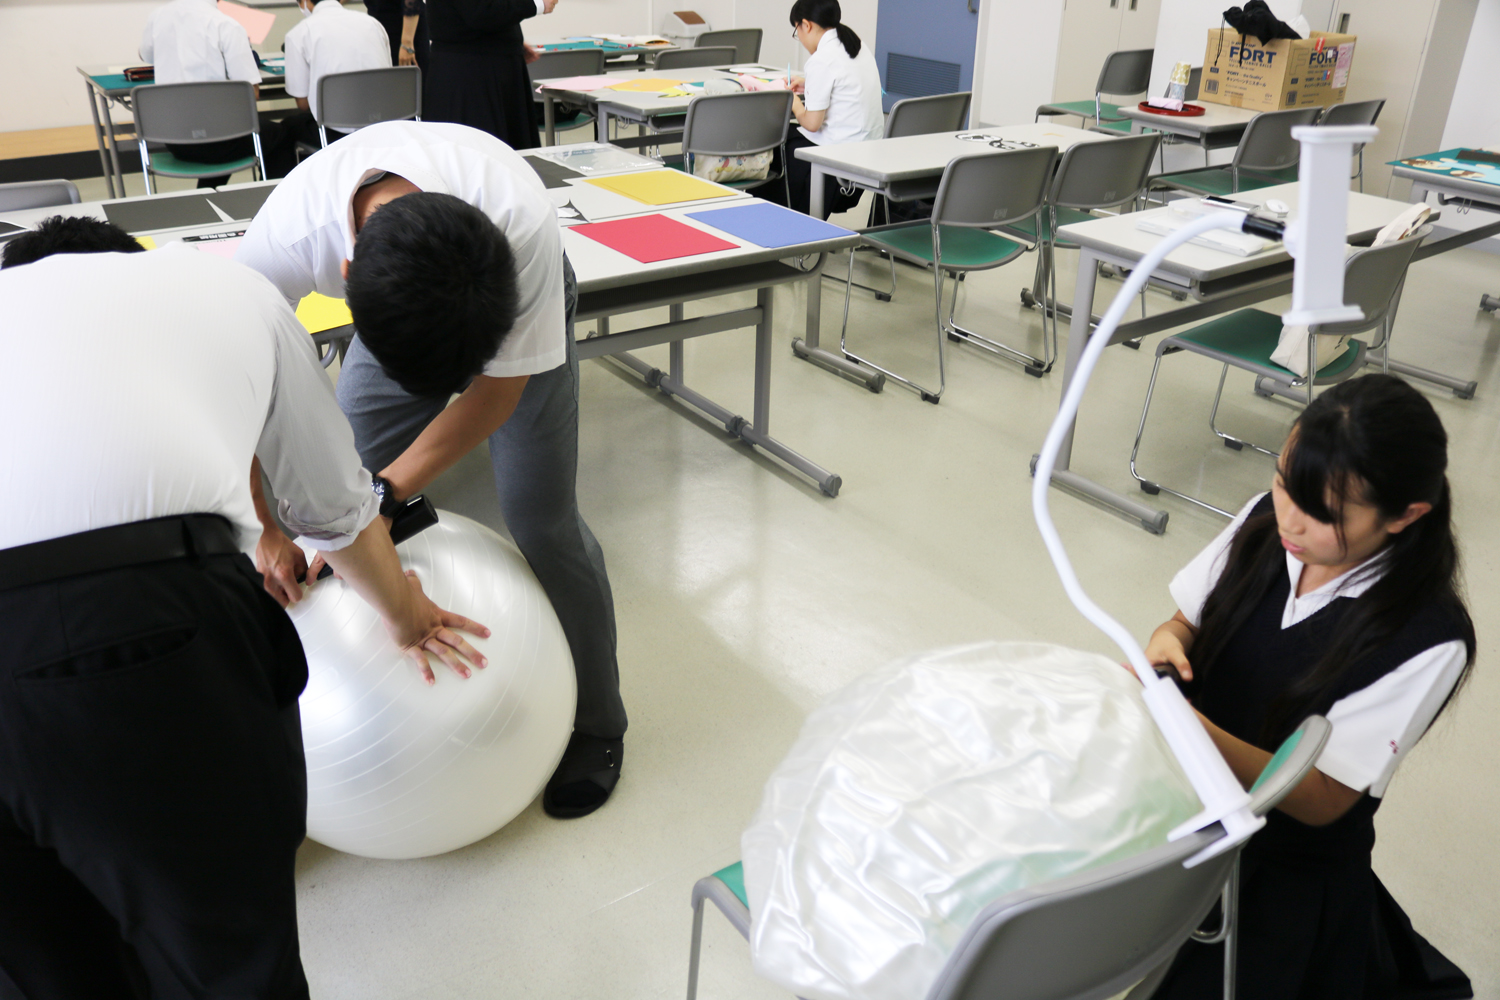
257 23
580 83
220 248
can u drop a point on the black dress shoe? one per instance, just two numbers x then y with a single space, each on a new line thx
587 774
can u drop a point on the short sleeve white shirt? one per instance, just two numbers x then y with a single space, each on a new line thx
1374 727
192 41
848 89
332 39
305 230
195 365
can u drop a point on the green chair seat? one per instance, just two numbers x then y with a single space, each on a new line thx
167 164
1250 336
734 878
1083 109
1220 181
962 247
578 120
1065 217
1122 126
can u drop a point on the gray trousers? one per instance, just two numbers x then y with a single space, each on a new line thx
535 457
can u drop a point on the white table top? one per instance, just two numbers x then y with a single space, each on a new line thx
882 161
1118 236
1448 184
1215 118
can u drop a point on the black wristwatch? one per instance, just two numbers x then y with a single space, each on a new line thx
385 493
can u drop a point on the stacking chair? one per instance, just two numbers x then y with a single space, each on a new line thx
193 114
716 55
913 116
978 193
1092 176
563 63
1247 338
1124 73
1266 155
738 125
745 41
37 194
367 96
1088 936
1358 113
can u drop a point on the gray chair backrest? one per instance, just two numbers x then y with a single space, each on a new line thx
985 190
737 124
1089 936
1372 277
744 41
367 96
1355 113
1106 173
191 113
1268 144
927 115
1195 80
566 62
1290 764
37 194
719 55
1127 72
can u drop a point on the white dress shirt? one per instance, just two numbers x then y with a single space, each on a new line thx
332 39
848 89
305 230
192 41
1374 727
140 385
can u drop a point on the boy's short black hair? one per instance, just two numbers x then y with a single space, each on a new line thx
433 291
68 234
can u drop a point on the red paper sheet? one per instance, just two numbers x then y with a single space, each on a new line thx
650 238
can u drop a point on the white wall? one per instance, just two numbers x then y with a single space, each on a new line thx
1015 59
1474 117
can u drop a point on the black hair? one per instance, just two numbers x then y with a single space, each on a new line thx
826 14
433 291
68 234
1373 440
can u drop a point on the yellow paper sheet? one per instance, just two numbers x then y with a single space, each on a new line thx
319 313
661 187
650 85
146 242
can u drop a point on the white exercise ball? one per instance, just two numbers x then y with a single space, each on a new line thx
400 769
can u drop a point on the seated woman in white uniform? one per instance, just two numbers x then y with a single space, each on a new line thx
839 99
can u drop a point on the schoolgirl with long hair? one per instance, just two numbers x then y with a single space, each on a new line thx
839 98
1336 593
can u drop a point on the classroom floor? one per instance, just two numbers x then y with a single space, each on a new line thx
744 596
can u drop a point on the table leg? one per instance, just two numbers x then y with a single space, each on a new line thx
806 347
1153 520
114 149
601 125
109 178
549 119
815 193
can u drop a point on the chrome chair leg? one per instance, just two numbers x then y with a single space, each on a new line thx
1230 441
927 395
697 946
1036 367
1150 486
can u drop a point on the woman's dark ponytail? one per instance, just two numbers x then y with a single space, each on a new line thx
826 14
1373 439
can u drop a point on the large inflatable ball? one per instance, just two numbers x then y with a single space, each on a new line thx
400 769
929 788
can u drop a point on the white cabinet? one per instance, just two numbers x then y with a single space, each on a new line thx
1091 30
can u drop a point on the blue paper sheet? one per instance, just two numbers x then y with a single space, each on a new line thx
768 225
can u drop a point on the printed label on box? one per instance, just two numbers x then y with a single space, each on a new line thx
1341 68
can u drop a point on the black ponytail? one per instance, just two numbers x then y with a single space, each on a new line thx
826 14
1376 440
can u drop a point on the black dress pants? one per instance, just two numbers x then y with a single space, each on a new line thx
278 147
152 786
799 181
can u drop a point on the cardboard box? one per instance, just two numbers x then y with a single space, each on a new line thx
1286 73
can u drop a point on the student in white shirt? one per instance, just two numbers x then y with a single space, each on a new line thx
1335 594
331 39
839 98
152 781
192 41
448 250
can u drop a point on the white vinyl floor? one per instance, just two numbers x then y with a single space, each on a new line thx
744 596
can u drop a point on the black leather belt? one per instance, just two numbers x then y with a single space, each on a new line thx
116 547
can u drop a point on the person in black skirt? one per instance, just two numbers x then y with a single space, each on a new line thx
476 73
1334 594
406 28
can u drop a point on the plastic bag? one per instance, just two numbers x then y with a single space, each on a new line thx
931 787
755 167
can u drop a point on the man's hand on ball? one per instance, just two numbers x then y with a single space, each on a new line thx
280 563
429 630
